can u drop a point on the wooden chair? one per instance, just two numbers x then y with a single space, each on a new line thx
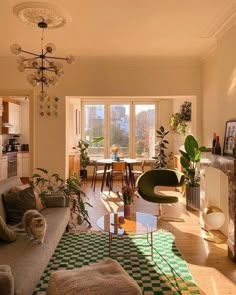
96 172
136 173
118 169
147 182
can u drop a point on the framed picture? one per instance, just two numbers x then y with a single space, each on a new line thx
230 138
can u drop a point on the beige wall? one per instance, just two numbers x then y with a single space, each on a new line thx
219 87
100 77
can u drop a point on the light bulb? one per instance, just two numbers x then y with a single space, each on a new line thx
21 68
70 59
59 73
32 80
15 48
54 80
50 47
20 60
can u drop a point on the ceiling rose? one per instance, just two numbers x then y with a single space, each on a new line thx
33 12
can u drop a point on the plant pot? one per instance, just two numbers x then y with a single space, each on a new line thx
83 174
193 197
127 210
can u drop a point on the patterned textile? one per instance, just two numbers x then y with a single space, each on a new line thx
166 274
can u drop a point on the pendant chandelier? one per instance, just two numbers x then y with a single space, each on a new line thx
46 67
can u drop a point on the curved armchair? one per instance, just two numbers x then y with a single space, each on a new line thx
147 182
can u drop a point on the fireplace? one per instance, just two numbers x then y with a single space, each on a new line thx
228 166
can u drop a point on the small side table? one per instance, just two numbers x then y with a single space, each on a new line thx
137 224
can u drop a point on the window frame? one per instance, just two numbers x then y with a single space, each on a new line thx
107 102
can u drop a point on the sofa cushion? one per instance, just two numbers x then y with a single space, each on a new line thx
6 234
39 204
17 203
108 278
6 280
5 185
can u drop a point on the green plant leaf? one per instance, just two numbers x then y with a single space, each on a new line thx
202 149
191 146
185 162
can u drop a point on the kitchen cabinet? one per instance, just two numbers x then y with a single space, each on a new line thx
23 165
74 164
3 168
11 115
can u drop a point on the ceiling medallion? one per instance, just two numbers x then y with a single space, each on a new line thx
33 12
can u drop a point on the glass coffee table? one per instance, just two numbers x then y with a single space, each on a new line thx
137 224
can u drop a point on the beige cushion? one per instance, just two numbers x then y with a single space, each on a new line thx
6 234
6 280
103 278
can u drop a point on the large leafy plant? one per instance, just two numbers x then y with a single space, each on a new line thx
83 146
190 158
45 184
161 146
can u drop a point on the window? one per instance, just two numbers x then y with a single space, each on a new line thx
129 124
144 130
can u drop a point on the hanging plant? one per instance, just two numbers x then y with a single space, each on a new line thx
177 123
161 146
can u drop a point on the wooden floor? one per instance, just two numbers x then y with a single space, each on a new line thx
213 271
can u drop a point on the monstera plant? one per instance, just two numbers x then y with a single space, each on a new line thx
190 158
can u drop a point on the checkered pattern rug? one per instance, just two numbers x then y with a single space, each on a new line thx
166 274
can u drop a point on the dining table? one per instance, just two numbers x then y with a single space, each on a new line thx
107 164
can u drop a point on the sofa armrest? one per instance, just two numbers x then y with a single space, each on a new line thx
6 280
55 201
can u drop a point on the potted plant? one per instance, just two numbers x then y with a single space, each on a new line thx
127 196
190 158
53 185
161 146
177 123
83 146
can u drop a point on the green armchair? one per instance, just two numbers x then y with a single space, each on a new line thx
147 182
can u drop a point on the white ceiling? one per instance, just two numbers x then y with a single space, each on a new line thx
124 28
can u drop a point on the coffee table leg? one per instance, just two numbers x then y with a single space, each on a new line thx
110 241
151 245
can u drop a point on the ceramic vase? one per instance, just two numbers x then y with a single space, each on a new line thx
127 210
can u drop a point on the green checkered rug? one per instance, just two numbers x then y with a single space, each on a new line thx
166 274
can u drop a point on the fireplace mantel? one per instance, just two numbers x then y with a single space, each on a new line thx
228 166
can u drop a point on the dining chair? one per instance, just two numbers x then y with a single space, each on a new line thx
118 169
147 187
135 173
96 172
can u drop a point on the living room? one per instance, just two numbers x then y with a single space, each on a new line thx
130 53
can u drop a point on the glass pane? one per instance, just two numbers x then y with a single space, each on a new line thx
94 127
120 128
145 131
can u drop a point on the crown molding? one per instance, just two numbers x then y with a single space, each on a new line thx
222 22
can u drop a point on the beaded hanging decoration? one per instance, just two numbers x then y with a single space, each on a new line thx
49 106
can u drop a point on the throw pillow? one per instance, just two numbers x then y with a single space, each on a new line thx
39 204
6 234
17 203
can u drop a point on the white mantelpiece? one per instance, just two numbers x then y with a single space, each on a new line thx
228 166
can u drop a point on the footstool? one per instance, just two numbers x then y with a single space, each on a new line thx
103 278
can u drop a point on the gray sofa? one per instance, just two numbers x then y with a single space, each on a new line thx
26 258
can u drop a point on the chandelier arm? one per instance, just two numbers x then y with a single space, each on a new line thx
31 53
48 69
33 58
54 57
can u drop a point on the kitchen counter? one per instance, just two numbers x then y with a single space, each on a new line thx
14 152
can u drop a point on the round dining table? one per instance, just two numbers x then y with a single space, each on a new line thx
107 163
